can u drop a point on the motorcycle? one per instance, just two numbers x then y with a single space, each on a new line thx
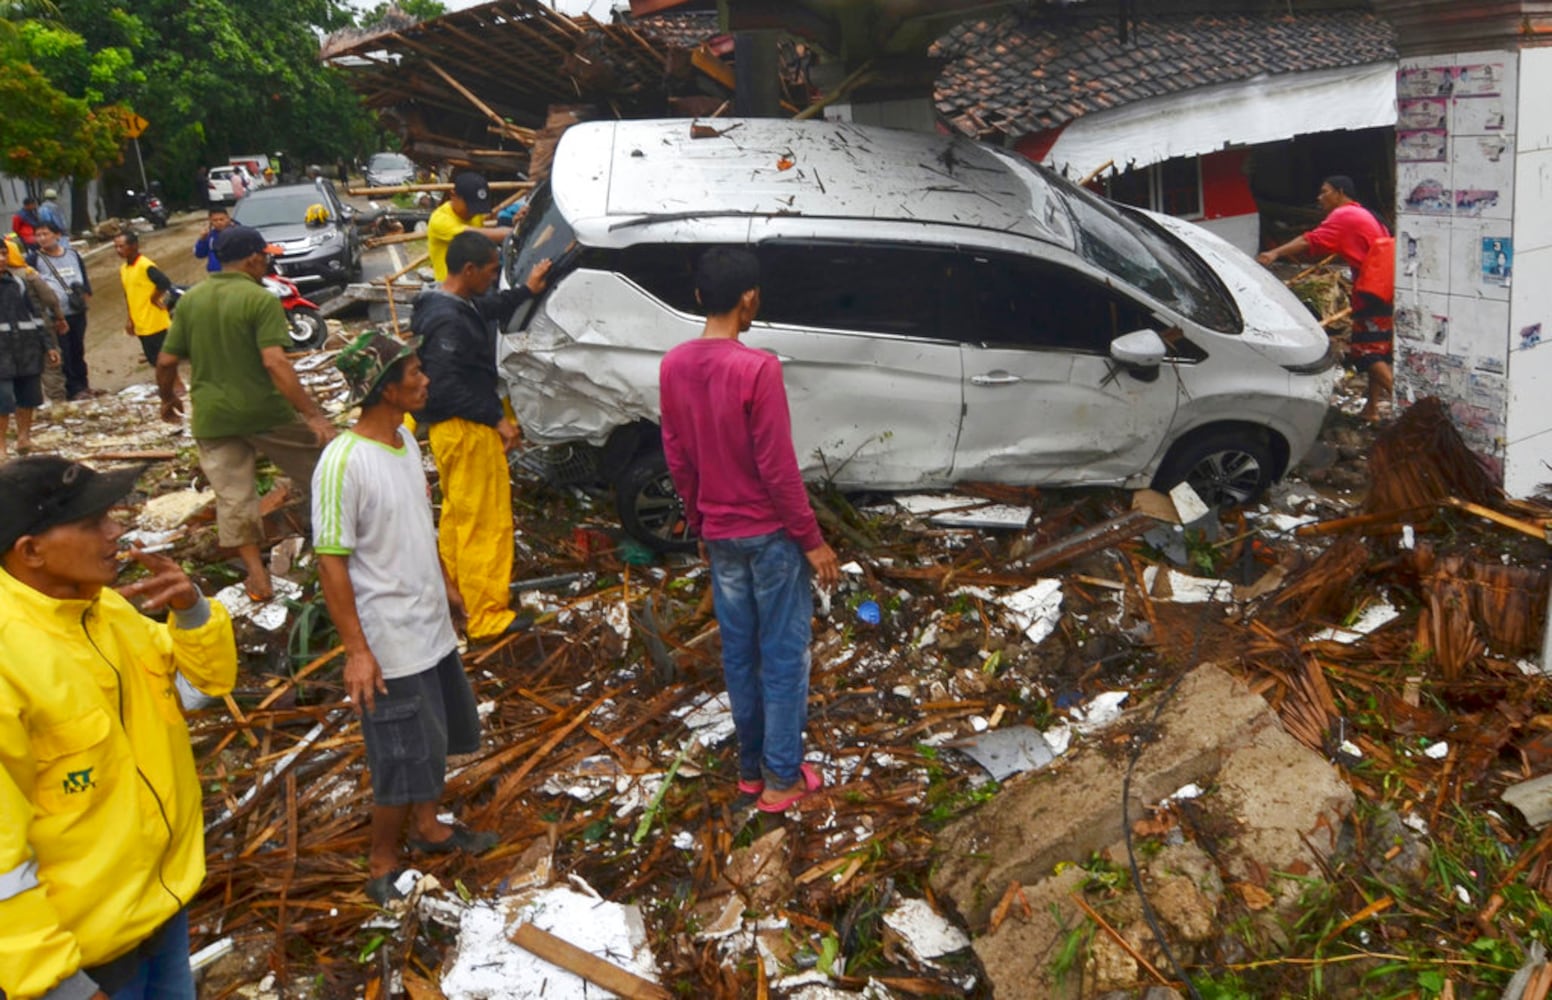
150 205
308 330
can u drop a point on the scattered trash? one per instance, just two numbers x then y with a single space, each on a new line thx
1036 609
1006 752
268 615
1101 711
487 965
1372 618
923 931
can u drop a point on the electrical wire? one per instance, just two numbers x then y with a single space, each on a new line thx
1138 745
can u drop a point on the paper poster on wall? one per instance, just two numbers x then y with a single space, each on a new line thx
1425 190
1424 81
1530 336
1483 172
1479 80
1497 260
1422 113
1417 323
1422 253
1423 145
1479 116
1425 373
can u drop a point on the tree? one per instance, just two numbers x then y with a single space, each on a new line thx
211 76
414 10
46 132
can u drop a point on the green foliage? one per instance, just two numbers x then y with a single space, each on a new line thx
420 10
45 131
212 77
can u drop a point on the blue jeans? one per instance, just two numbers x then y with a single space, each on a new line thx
163 974
765 611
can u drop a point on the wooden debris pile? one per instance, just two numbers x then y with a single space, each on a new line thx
473 87
1398 634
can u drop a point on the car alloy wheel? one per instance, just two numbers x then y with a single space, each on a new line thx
649 507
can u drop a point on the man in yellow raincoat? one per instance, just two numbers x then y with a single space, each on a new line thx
469 433
101 832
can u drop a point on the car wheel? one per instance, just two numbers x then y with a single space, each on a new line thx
353 270
648 505
1227 467
308 330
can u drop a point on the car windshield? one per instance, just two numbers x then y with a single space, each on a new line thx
1128 246
390 161
277 208
544 234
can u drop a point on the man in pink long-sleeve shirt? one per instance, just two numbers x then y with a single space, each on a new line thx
727 436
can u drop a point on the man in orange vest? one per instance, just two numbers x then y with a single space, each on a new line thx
1360 237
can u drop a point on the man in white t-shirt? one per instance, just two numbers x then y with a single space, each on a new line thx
394 608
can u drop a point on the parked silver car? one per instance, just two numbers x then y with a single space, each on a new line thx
944 311
388 170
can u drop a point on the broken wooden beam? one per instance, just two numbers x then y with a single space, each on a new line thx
388 192
559 951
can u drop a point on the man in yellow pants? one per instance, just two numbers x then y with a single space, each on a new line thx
469 433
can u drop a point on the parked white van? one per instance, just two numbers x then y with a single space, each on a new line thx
944 312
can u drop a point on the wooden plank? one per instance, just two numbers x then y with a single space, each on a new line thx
469 95
558 951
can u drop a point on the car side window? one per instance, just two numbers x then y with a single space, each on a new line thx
864 287
1014 301
666 270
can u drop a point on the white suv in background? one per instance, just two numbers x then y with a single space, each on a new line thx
944 312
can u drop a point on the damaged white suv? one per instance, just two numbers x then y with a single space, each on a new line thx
944 312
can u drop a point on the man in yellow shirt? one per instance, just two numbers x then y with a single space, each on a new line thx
145 289
464 208
101 828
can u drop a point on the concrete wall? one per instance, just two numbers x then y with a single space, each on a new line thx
1474 250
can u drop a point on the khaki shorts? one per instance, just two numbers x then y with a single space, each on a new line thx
228 463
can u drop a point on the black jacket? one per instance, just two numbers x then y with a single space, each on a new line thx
459 352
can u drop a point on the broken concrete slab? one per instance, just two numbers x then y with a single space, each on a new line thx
1073 808
1279 803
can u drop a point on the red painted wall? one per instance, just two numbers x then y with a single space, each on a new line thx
1225 187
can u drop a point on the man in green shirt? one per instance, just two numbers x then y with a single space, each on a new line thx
247 398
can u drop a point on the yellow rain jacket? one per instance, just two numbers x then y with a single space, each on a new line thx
101 828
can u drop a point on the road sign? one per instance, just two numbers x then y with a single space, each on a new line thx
136 125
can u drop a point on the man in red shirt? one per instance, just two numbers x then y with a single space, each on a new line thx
1358 235
727 436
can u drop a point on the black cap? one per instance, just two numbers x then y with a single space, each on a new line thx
239 243
471 187
43 491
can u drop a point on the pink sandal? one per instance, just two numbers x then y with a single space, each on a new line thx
812 782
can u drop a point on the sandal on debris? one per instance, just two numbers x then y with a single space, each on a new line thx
812 782
754 786
384 889
461 839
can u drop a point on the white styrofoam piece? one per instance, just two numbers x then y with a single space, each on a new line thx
487 966
926 934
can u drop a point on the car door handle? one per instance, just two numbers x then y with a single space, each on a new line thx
998 377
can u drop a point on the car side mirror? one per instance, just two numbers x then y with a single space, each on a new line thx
1140 353
1139 349
347 212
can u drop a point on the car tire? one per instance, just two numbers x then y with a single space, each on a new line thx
353 270
308 329
1227 466
649 507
